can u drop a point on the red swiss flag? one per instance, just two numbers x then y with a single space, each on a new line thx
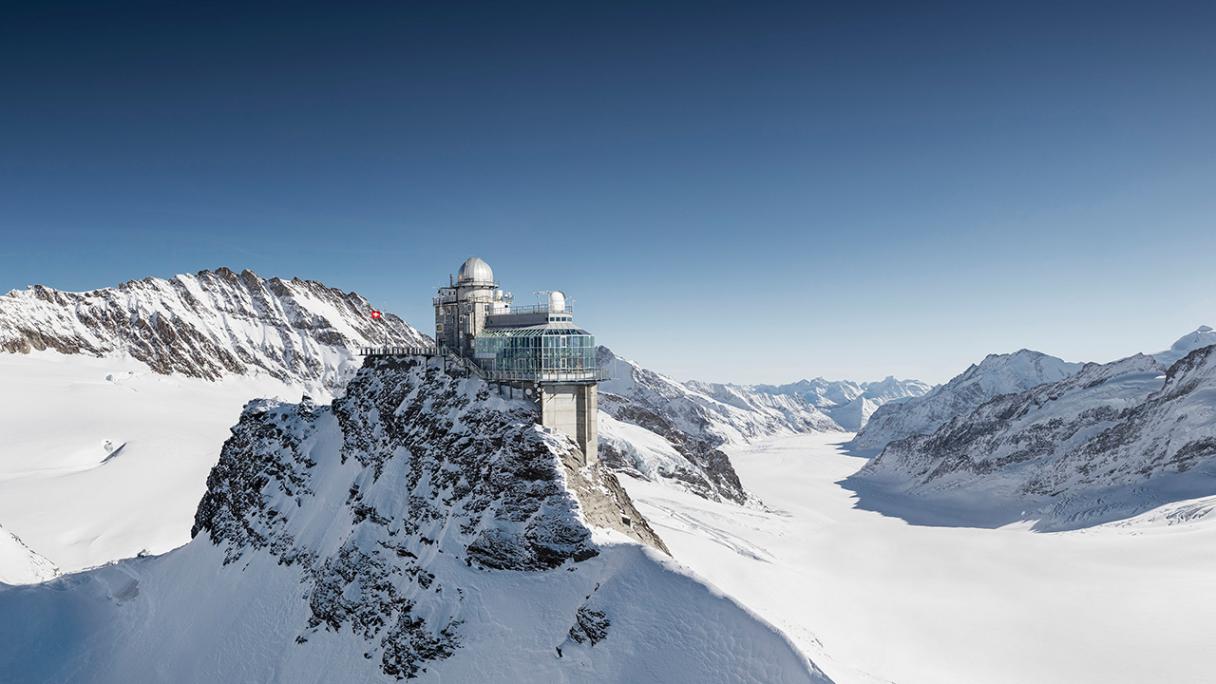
376 315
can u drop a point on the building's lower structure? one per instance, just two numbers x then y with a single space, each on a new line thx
571 409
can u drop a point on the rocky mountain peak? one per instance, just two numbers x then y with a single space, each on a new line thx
207 325
995 375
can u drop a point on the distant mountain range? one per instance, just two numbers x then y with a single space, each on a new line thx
849 404
1030 437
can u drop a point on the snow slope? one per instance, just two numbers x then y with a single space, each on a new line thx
872 599
102 458
418 527
19 564
997 374
1203 336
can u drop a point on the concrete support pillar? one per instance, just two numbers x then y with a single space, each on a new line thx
571 410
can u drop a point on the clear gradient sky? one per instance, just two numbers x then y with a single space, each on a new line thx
748 191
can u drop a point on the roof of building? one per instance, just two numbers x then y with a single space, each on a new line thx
476 272
555 328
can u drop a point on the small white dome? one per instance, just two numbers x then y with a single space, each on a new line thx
557 302
474 271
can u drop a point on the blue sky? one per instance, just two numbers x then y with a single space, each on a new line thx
751 192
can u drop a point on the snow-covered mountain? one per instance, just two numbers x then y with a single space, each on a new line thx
1203 336
656 427
116 401
1109 442
421 526
208 325
774 413
850 404
997 374
19 564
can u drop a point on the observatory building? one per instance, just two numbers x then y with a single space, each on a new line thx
534 352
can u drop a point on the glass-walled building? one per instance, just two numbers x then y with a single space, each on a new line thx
544 353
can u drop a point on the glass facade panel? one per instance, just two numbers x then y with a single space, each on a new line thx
542 353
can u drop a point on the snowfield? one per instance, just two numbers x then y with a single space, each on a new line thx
102 459
874 599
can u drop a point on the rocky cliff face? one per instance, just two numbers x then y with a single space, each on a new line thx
1108 442
997 374
207 325
419 527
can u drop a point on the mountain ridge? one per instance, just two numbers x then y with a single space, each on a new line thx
207 325
1108 442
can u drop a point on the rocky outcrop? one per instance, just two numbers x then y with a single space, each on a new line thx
207 325
445 467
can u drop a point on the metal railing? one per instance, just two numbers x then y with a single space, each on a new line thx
546 375
534 309
588 375
398 351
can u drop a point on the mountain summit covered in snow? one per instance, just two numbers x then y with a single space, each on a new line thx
997 374
418 527
207 325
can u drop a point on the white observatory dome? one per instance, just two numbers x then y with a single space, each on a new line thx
557 302
474 271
